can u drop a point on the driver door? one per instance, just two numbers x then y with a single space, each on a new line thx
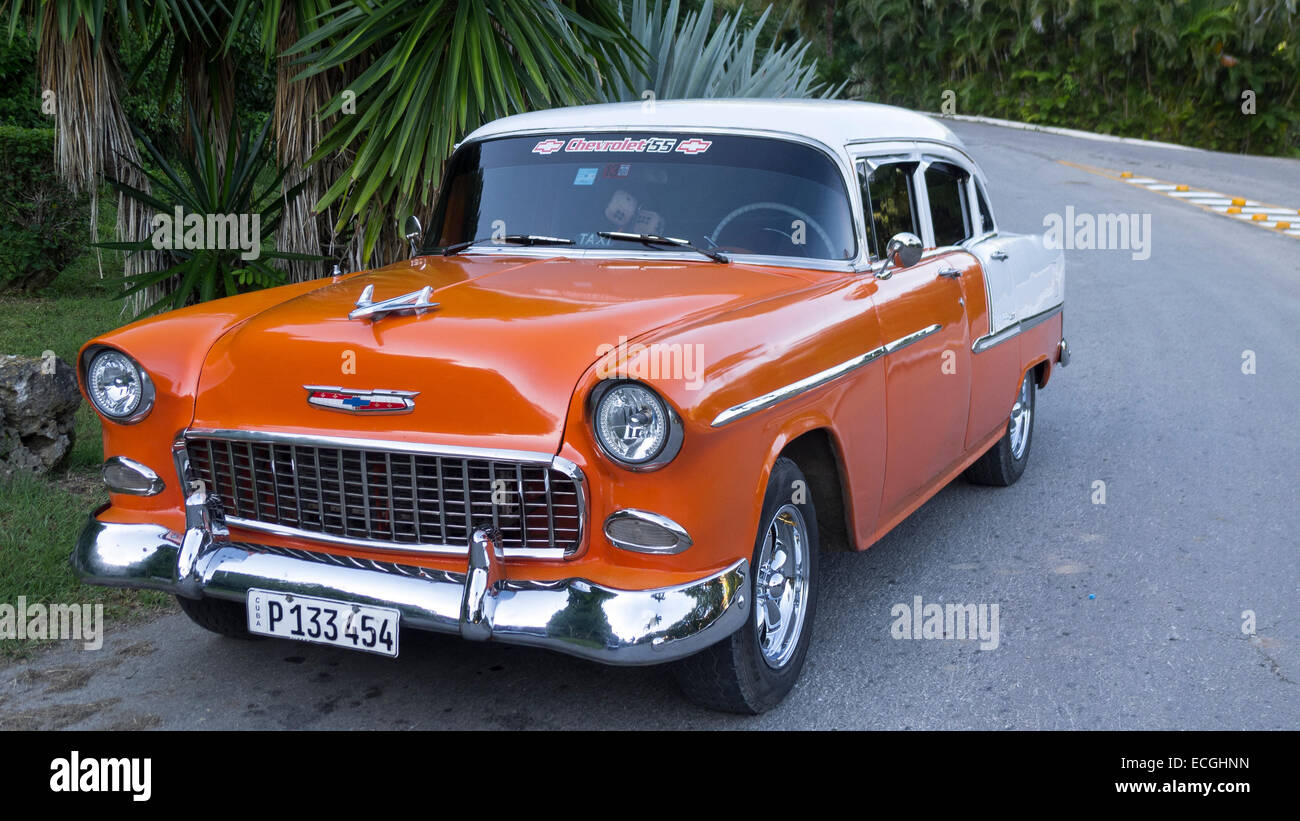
921 311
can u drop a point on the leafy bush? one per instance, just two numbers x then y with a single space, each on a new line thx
42 226
20 100
243 184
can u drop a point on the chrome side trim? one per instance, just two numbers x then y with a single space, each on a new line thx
573 616
989 340
806 384
916 336
684 539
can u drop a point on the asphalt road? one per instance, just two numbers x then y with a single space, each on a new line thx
1126 615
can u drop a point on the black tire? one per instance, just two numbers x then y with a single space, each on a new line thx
1001 466
733 675
227 618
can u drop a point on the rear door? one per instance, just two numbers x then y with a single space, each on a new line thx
1025 278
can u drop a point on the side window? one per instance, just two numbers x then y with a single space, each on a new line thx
889 200
986 215
945 185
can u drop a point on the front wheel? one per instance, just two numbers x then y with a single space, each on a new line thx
1006 460
753 669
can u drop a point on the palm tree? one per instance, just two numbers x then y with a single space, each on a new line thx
77 60
435 70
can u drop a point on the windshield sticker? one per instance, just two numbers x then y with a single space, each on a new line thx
649 145
616 169
585 176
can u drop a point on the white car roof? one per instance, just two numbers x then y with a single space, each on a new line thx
832 122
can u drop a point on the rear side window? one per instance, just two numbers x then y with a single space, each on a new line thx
890 201
945 185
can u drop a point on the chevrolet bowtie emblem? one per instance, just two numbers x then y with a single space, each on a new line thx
336 398
416 302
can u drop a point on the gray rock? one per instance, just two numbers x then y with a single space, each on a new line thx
38 406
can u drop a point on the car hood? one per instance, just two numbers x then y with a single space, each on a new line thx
494 365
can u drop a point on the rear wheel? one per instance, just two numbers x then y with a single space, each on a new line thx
753 669
1006 460
218 615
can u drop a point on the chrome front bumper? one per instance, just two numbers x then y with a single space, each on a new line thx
574 616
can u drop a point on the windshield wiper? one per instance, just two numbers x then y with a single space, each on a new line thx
509 239
653 240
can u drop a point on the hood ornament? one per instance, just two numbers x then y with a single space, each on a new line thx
416 302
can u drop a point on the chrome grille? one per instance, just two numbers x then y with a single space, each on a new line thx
388 498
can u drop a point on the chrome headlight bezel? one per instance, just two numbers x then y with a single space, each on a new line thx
674 434
147 392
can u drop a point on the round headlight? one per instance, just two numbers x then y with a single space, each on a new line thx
118 387
635 427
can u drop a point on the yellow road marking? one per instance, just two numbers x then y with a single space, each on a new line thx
1214 202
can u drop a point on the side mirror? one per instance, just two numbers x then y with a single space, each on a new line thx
902 251
412 232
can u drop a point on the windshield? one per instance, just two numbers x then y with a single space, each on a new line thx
737 194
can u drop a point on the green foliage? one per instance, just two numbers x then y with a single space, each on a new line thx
1174 71
433 71
687 61
20 99
41 225
247 184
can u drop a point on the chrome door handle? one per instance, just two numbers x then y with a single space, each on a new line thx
998 255
949 272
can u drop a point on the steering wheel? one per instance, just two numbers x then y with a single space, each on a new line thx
775 206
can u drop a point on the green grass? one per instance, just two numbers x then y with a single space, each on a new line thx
40 517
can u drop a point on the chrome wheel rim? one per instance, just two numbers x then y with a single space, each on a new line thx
781 586
1021 415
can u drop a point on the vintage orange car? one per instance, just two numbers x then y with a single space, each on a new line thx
646 362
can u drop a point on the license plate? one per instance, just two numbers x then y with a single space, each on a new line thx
323 621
